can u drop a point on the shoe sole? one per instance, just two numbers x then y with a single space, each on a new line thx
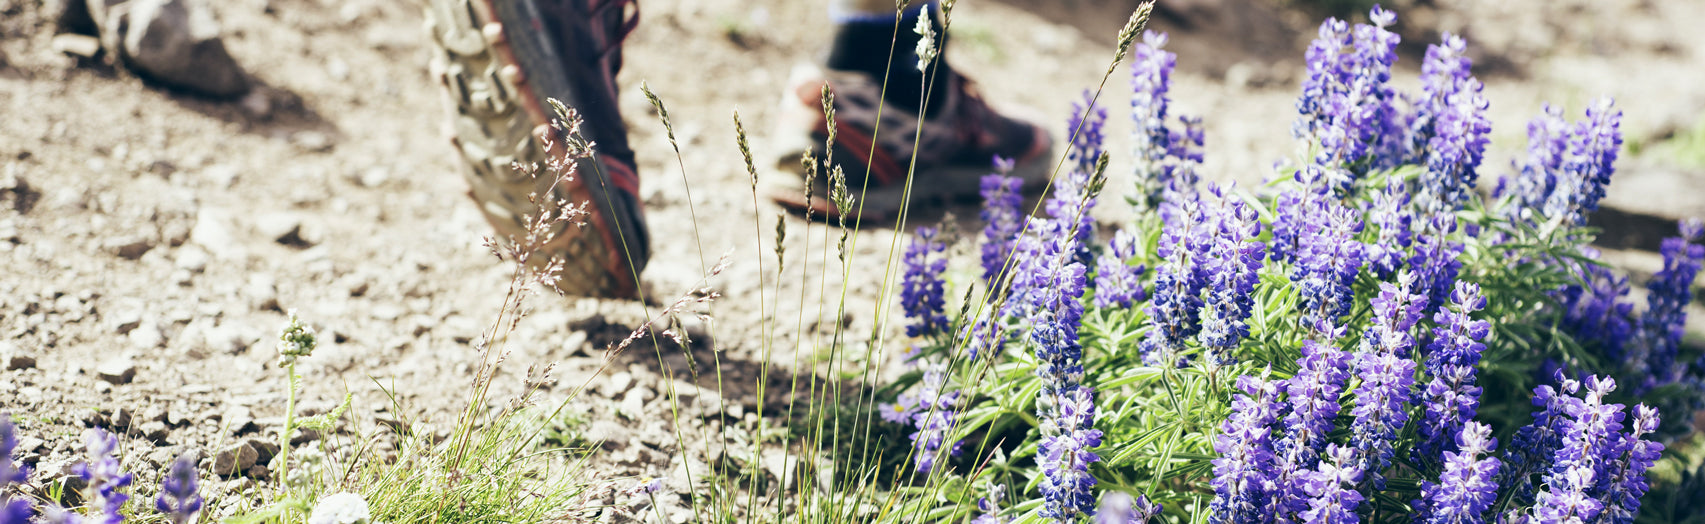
496 123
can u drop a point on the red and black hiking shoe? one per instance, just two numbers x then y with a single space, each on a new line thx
954 149
499 62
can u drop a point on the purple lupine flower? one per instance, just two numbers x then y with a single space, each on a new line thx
1452 398
178 498
1231 266
1178 282
1453 126
1347 105
1627 481
15 510
1151 77
1536 177
1246 462
1313 395
104 476
1467 488
1587 168
1331 488
1435 260
12 510
935 418
1068 417
1389 212
1117 283
990 506
921 291
1120 508
1387 374
1582 463
1066 409
1069 204
1534 445
1328 258
11 471
1185 154
1670 289
1596 312
1003 219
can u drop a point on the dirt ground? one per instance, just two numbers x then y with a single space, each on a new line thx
154 240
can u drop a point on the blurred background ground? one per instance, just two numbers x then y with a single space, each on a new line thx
152 240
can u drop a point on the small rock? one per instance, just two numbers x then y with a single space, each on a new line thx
618 382
237 420
314 141
266 448
644 393
278 226
77 45
122 418
262 292
259 472
31 444
147 336
632 407
386 312
117 371
338 69
125 318
192 259
16 357
235 459
177 42
612 436
783 465
155 432
212 231
130 247
575 343
373 177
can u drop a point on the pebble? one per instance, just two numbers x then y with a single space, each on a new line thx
192 259
117 371
373 177
147 336
314 141
610 435
16 359
234 459
278 226
129 247
632 407
616 384
155 432
262 292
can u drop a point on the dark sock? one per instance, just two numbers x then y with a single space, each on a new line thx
870 43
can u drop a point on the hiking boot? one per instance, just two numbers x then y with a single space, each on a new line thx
954 150
499 61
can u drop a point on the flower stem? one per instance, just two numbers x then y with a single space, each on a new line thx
289 420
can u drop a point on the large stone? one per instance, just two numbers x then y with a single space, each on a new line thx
176 42
117 371
235 460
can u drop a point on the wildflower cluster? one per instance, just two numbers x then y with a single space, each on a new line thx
1337 350
105 480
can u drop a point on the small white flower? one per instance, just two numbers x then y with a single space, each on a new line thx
926 44
341 508
295 340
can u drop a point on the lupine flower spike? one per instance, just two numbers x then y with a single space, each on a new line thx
1245 445
104 477
12 511
1002 219
1117 283
1671 289
1451 397
1467 487
178 499
921 293
1388 375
